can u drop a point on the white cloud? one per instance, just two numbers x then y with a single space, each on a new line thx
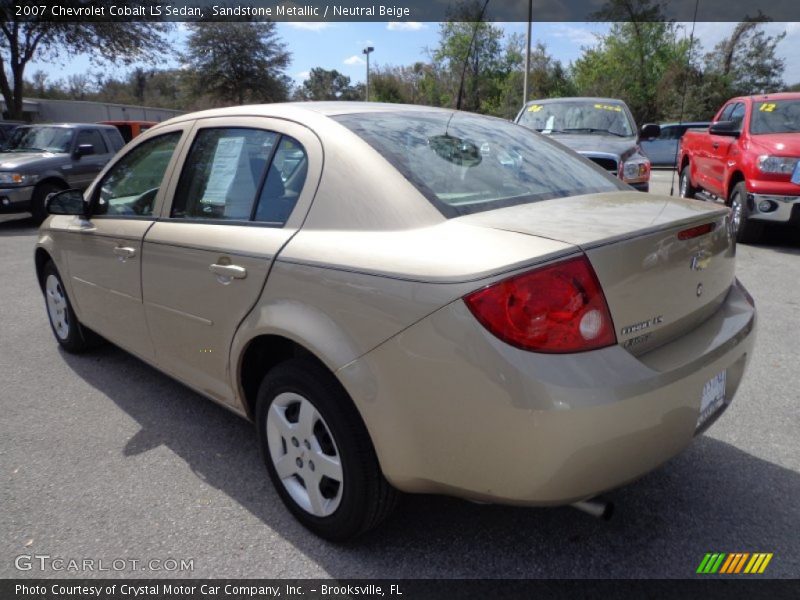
577 35
309 25
405 26
354 60
302 75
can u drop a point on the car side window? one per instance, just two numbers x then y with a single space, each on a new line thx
91 137
223 173
285 180
130 186
725 115
737 114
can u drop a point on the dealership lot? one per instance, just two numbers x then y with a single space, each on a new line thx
103 457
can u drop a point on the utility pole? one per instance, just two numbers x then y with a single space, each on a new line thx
527 55
368 50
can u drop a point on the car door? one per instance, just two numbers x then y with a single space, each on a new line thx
83 168
707 150
104 252
721 148
243 190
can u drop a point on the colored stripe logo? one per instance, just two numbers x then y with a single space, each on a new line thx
734 563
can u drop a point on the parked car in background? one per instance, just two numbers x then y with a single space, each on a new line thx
38 160
403 297
747 160
130 129
6 128
663 150
602 129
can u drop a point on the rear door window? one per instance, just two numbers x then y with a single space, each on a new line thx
241 174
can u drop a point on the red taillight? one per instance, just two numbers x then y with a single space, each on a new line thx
555 309
694 232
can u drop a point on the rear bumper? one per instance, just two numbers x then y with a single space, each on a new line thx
13 200
451 409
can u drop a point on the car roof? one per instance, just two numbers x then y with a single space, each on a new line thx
71 125
333 108
128 122
309 113
575 99
776 96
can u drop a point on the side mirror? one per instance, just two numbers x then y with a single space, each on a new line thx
650 130
68 202
729 128
84 150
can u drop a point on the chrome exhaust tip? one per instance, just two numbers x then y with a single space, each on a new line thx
597 507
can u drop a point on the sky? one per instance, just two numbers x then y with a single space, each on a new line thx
339 45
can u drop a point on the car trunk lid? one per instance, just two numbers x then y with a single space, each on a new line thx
657 285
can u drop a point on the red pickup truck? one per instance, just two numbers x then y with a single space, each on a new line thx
749 158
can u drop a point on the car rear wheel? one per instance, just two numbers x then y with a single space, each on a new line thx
70 334
40 194
318 453
747 231
685 185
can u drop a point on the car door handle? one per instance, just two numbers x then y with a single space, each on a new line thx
124 252
228 271
715 145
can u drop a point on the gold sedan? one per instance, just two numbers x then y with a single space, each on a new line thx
406 298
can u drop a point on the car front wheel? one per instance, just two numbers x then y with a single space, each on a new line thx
69 332
747 231
685 185
318 453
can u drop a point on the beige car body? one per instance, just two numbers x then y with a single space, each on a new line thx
368 277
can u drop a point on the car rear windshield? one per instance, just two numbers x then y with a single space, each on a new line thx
465 163
776 116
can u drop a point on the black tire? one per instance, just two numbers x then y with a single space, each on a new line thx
365 497
747 230
685 187
70 334
40 194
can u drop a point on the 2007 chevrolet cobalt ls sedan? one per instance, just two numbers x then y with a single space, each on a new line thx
406 298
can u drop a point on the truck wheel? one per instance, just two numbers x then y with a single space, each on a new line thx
40 194
318 452
747 231
686 189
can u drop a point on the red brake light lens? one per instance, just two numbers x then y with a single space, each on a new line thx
559 308
694 232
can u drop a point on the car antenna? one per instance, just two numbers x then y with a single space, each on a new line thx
683 97
469 52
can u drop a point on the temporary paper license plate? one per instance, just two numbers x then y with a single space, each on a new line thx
713 397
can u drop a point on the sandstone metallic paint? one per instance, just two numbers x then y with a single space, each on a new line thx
368 276
454 410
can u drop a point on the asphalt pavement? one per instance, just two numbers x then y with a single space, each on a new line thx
104 458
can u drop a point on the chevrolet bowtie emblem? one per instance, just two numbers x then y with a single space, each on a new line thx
700 261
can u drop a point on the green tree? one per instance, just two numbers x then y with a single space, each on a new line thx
24 41
237 62
323 84
744 63
480 61
632 62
